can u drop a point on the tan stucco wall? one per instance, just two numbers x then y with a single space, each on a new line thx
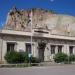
21 40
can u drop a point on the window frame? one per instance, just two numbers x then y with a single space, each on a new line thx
12 46
71 50
59 48
28 51
52 49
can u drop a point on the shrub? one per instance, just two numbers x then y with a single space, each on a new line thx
16 57
60 57
72 58
25 55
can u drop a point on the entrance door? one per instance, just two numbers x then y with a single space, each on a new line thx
41 48
41 55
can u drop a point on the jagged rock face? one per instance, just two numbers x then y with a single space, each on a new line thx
57 24
21 19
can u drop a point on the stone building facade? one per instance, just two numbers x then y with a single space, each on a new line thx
56 32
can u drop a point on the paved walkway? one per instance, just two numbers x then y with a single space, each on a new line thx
51 70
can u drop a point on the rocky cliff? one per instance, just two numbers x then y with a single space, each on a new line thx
56 23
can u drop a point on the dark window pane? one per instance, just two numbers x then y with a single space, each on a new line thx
71 50
59 49
28 47
10 47
52 49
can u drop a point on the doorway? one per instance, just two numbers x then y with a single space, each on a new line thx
41 55
41 49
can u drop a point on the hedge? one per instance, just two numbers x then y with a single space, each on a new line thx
60 57
14 57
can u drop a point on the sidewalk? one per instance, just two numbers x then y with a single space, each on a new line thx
42 64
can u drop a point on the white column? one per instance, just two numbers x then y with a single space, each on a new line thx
51 55
0 49
56 49
15 48
62 49
74 50
4 49
35 50
47 53
66 49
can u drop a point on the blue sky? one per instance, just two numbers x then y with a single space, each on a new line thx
59 6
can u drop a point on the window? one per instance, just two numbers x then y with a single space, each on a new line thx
52 49
59 49
10 47
28 47
71 50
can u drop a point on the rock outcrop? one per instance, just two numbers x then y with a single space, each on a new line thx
58 24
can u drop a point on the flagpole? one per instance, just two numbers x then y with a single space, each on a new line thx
31 29
30 53
68 31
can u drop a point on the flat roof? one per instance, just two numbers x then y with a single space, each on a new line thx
34 34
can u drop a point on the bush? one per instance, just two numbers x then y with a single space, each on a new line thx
16 57
60 57
25 55
72 58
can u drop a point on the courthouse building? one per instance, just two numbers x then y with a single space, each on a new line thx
26 30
